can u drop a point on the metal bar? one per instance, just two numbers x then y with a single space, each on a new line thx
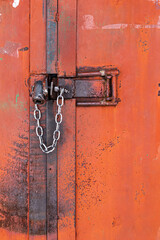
90 92
97 103
37 181
89 74
97 72
107 88
114 89
51 36
51 175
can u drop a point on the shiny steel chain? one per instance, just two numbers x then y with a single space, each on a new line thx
58 120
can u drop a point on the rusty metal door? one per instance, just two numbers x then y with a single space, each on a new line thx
103 179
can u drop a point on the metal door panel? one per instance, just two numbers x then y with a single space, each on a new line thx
51 176
51 35
14 114
118 147
67 174
102 182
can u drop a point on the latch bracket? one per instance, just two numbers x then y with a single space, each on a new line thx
90 88
97 88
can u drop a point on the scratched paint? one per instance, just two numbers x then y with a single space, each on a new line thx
17 97
89 24
115 26
137 26
9 105
158 154
15 4
147 26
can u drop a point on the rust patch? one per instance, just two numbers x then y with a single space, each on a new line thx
95 69
24 49
116 222
110 144
139 195
13 187
89 187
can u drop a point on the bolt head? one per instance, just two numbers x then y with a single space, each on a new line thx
45 92
56 89
103 73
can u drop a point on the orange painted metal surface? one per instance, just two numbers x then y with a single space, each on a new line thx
66 174
103 180
37 37
67 37
14 119
118 165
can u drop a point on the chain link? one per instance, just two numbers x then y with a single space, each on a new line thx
58 120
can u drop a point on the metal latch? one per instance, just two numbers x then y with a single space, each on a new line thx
89 88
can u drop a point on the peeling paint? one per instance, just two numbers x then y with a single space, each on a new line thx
155 1
89 22
11 49
15 3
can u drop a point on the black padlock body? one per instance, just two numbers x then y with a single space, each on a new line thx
38 93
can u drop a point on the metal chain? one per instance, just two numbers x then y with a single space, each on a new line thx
58 120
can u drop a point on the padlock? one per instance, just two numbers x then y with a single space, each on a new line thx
40 92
